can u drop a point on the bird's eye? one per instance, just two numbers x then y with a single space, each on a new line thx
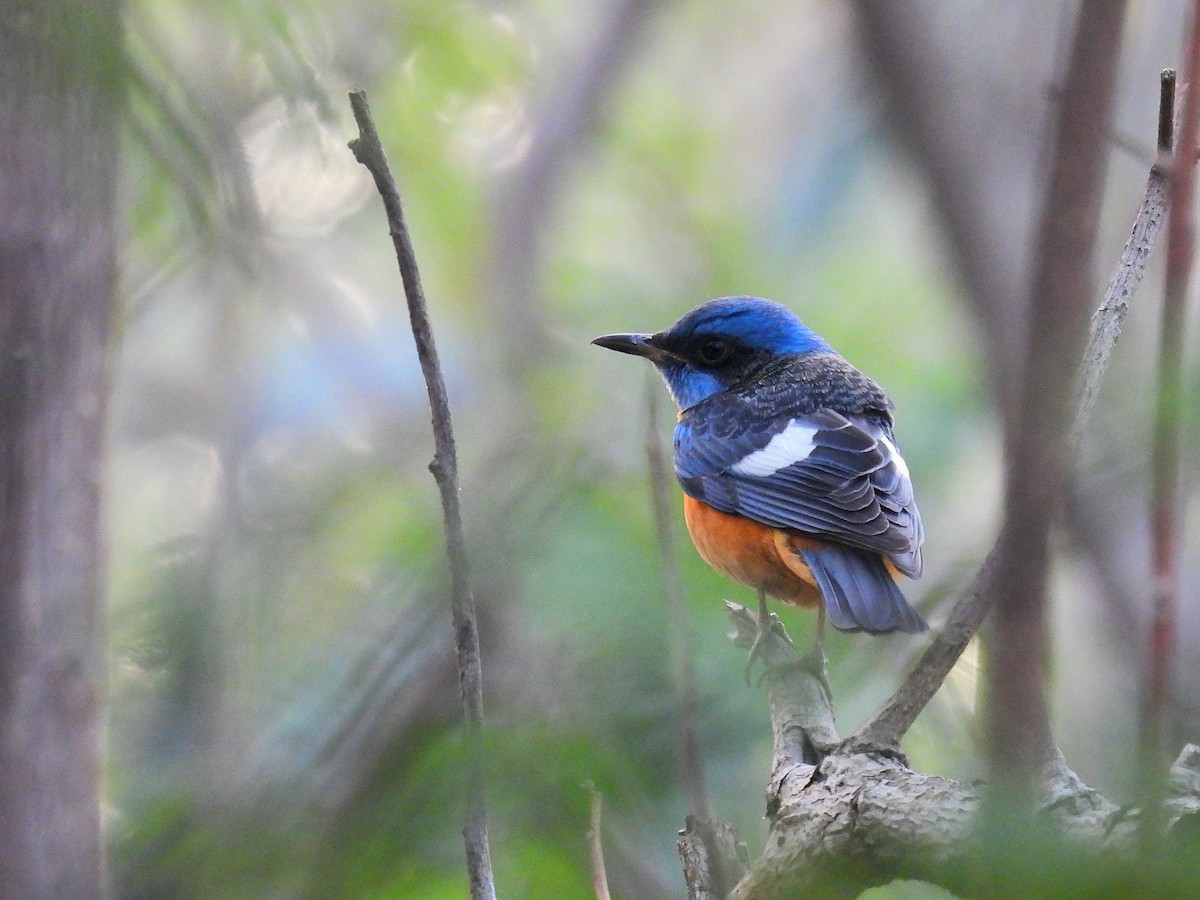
714 352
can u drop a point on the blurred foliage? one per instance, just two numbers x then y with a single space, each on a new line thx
284 703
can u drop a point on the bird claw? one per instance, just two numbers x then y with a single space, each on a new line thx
768 625
759 649
814 663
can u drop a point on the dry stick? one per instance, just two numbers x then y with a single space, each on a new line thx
1109 320
369 151
891 723
596 843
1166 496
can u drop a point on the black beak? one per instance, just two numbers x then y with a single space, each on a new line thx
636 345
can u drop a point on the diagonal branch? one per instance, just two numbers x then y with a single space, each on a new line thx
885 729
369 151
1109 320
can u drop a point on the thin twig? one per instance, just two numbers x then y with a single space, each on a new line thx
1166 500
596 843
1109 320
368 150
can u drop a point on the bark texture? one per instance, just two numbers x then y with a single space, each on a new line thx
59 119
845 816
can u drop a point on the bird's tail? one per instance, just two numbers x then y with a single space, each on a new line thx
859 593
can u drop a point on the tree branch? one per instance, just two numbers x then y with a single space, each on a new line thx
368 150
1109 320
846 817
1018 721
888 726
857 821
595 842
719 849
1166 497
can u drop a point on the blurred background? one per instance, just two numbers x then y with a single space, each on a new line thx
284 699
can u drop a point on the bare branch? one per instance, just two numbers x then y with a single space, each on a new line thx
1166 497
596 843
886 728
1018 721
702 856
801 708
1109 320
368 150
861 820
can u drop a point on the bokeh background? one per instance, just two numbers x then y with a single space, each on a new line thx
284 702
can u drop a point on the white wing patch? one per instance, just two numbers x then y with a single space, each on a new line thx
790 446
894 456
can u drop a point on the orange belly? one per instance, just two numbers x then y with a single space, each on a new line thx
758 556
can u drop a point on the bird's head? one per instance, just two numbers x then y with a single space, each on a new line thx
718 344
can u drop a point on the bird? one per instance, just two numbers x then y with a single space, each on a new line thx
792 478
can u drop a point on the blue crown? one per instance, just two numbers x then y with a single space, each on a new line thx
758 323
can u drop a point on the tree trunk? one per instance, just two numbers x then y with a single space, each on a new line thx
60 74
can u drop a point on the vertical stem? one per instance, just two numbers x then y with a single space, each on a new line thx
595 842
683 673
1018 725
60 113
369 151
893 720
1165 491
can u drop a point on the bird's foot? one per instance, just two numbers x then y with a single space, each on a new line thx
767 624
812 663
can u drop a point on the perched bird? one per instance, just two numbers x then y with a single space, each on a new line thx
792 480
